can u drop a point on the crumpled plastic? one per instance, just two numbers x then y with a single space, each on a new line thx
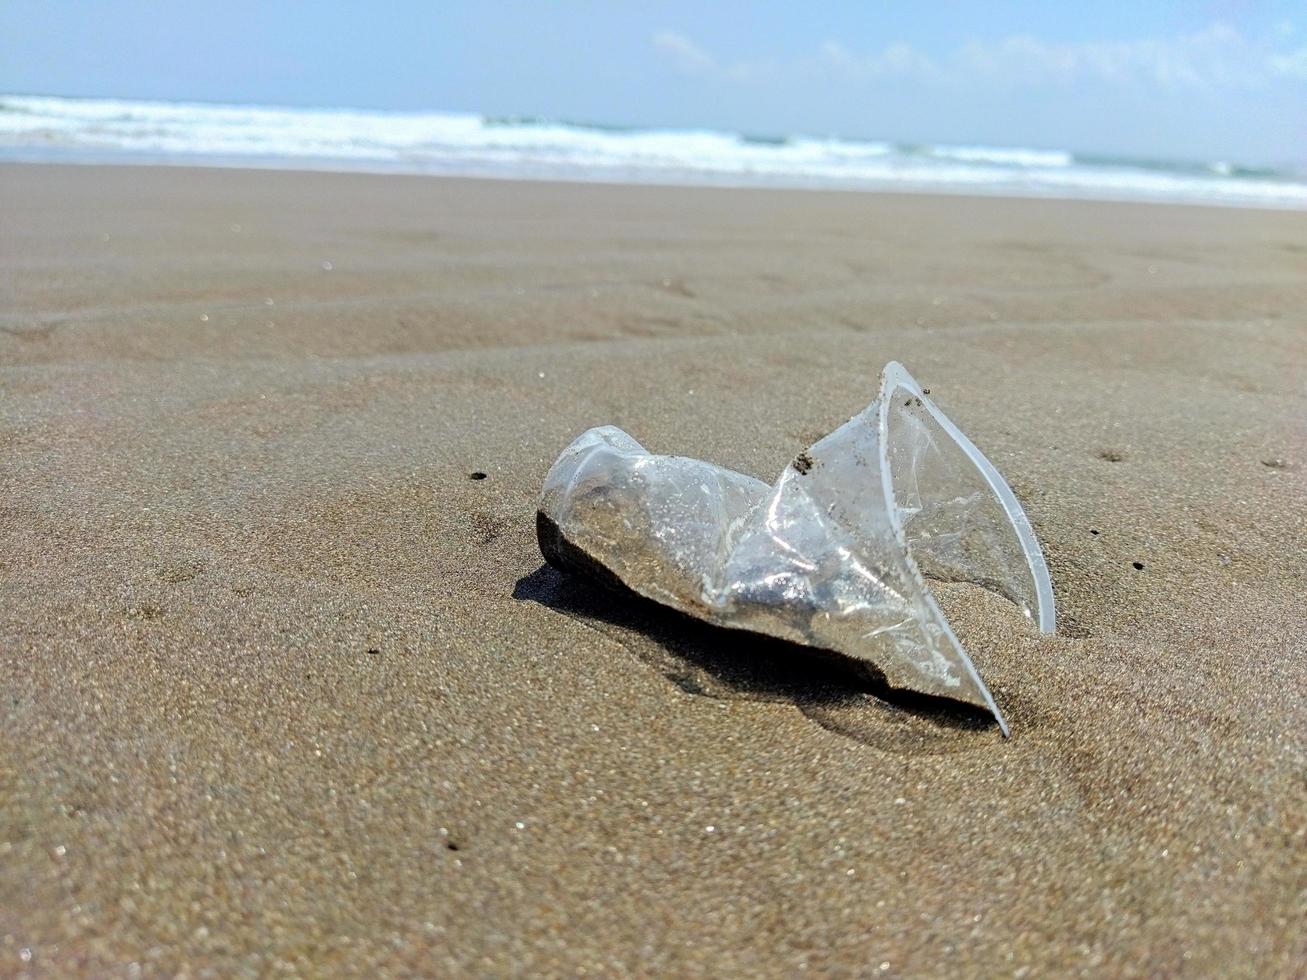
834 555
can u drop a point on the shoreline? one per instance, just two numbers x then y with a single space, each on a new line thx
89 158
939 194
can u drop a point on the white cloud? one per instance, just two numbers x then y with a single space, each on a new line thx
690 59
684 54
895 59
1215 57
1292 65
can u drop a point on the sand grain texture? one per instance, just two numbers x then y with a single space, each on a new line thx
284 688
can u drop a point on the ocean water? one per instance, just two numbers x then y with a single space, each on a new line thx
114 130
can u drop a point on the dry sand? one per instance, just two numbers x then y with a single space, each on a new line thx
284 689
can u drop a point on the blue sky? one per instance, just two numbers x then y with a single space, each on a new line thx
1203 80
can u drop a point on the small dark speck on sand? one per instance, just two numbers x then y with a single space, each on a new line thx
803 462
1111 455
450 845
1276 463
1139 566
478 475
373 651
925 391
1094 531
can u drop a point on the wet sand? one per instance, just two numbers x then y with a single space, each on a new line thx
283 687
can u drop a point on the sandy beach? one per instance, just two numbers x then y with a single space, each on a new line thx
284 689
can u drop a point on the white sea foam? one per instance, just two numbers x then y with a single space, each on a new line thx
42 127
1004 156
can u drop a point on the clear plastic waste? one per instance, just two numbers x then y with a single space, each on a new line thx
834 555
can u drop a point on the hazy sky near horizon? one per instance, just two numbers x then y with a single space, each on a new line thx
1225 79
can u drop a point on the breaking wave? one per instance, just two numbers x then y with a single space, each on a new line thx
109 130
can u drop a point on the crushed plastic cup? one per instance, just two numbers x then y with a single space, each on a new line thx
834 555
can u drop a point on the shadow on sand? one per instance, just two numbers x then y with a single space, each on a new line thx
842 695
